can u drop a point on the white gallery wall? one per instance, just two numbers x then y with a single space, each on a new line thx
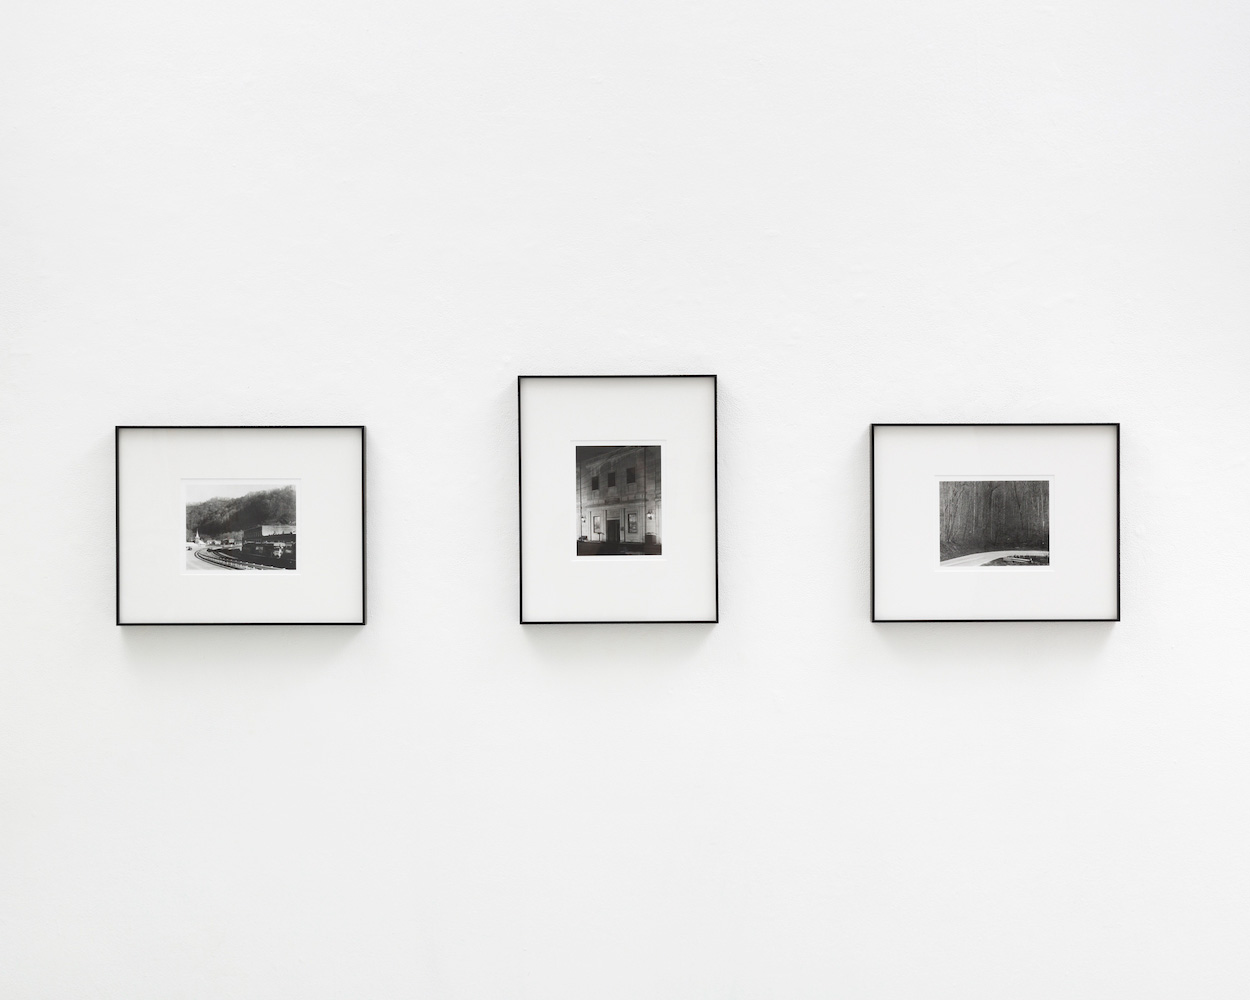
274 212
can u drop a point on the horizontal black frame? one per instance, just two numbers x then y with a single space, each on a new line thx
715 512
872 518
117 526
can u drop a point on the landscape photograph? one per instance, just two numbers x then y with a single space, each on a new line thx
237 526
994 522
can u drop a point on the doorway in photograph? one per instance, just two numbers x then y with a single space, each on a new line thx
994 522
619 500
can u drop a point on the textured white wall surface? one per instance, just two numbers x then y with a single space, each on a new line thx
377 212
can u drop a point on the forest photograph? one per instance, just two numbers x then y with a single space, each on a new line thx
994 522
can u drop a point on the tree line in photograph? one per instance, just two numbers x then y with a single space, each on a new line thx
985 516
222 515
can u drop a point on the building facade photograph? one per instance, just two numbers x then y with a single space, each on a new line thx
619 509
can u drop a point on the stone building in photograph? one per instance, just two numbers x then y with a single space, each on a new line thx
618 500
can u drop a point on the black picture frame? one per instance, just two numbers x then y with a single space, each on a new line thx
521 614
118 432
873 518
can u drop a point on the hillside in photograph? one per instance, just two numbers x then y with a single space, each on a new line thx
220 515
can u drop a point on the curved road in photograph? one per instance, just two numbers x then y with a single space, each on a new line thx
202 557
981 558
198 558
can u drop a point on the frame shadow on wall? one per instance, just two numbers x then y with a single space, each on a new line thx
269 652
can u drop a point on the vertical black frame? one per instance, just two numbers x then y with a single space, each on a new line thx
117 515
872 519
715 510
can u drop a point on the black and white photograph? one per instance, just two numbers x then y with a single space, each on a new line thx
994 523
964 516
200 506
618 549
618 500
237 526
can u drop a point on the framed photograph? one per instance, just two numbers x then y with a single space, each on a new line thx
240 525
995 522
617 498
